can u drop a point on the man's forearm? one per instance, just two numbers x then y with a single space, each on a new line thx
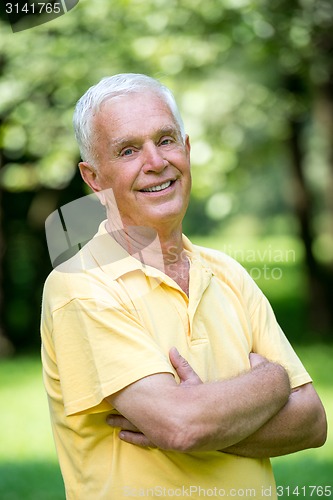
248 402
204 417
230 420
299 425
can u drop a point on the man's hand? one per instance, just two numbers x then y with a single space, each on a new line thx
128 431
256 359
185 372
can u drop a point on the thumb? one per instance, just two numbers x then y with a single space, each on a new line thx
184 370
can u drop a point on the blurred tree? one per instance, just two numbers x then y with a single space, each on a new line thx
302 44
254 84
6 347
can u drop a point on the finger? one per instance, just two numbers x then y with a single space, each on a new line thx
256 359
136 438
122 422
184 370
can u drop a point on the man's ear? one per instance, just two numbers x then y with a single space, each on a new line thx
89 175
187 145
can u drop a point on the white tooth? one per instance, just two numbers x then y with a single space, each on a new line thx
158 188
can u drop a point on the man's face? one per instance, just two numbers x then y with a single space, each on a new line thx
140 155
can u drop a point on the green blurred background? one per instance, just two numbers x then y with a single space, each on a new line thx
254 83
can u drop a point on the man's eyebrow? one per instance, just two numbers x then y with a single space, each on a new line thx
123 141
126 141
168 130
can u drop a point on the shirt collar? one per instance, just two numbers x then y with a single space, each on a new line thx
116 261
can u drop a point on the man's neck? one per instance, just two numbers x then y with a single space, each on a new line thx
164 251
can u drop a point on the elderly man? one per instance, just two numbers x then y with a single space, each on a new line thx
116 316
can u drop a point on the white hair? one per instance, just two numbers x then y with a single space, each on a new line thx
108 88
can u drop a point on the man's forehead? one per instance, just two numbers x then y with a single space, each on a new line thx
119 101
130 116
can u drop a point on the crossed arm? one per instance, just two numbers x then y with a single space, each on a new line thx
255 414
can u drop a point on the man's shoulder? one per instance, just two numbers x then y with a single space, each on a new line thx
91 274
65 276
79 277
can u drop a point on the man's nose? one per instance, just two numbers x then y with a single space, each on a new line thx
153 160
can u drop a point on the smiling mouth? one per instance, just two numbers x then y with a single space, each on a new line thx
160 187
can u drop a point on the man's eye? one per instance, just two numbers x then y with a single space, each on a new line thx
127 152
165 142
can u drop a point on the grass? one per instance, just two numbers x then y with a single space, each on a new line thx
311 467
28 463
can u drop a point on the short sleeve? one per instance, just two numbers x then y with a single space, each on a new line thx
100 349
268 338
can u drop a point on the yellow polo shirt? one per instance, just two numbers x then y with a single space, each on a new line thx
109 320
